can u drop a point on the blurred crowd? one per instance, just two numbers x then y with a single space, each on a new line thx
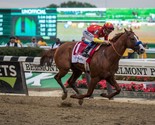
15 41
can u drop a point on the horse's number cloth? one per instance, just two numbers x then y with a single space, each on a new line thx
76 53
78 49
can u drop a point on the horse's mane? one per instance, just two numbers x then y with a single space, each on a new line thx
115 38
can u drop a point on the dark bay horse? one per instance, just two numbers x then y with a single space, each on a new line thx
104 63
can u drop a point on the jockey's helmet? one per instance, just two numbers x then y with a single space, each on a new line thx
108 28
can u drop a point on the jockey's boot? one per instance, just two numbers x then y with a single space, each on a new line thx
85 52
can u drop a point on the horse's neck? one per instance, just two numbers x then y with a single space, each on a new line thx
115 52
120 46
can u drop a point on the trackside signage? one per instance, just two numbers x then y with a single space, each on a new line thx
33 11
31 67
12 78
125 70
136 71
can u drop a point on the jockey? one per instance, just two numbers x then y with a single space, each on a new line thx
94 32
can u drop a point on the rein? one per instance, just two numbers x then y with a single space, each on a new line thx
115 49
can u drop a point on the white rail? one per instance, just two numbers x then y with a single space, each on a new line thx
127 67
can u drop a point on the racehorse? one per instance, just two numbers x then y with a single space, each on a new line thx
103 65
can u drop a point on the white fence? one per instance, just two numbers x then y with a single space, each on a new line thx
127 67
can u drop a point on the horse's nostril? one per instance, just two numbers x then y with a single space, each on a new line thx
142 50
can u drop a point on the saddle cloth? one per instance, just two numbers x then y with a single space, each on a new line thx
77 51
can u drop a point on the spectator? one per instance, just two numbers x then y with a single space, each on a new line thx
12 42
17 40
125 54
41 42
73 40
33 43
56 44
131 54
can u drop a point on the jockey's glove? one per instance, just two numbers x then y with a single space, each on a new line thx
107 42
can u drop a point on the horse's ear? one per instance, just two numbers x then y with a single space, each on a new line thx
131 30
125 30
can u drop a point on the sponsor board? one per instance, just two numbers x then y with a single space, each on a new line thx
43 80
125 70
12 78
32 67
136 71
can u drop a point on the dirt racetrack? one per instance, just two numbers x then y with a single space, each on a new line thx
41 110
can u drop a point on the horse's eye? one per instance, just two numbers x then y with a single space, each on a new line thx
132 39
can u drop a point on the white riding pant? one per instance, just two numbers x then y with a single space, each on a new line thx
88 35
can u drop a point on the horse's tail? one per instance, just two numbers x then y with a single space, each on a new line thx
47 57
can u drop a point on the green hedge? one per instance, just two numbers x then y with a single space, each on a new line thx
24 51
35 52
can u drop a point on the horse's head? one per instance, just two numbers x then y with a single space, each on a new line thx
134 43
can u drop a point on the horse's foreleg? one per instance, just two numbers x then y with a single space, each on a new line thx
91 88
118 90
58 79
112 82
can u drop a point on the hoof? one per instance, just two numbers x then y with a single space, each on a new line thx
73 96
111 98
103 95
91 97
64 96
80 101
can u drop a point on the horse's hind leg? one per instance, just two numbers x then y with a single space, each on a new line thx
76 74
58 77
